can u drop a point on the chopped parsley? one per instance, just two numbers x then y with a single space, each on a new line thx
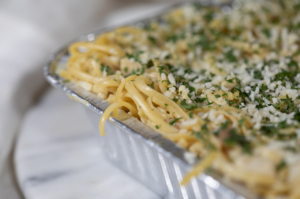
285 76
241 121
235 138
175 38
203 135
229 56
152 39
257 75
207 80
149 64
230 80
174 121
152 85
230 102
225 124
266 32
187 106
135 56
275 131
162 69
208 16
106 69
281 165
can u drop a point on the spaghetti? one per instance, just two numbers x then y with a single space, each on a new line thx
223 86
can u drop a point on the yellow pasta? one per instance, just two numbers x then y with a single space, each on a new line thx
225 87
205 163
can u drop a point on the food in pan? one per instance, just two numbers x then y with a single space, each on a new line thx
223 85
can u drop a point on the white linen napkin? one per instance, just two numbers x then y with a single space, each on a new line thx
20 79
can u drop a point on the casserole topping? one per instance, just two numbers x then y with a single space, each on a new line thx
224 85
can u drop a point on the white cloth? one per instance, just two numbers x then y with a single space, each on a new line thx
30 31
21 78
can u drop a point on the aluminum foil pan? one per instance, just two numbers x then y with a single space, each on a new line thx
144 154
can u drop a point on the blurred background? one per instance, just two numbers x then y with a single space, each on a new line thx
47 149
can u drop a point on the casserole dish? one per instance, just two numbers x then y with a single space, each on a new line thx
149 157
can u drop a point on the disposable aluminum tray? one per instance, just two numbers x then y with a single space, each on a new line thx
137 149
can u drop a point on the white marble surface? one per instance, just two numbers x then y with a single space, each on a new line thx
58 156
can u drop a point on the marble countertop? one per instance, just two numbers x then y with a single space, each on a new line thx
58 156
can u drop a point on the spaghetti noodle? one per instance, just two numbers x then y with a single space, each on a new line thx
223 86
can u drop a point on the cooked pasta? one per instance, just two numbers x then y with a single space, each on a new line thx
223 85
